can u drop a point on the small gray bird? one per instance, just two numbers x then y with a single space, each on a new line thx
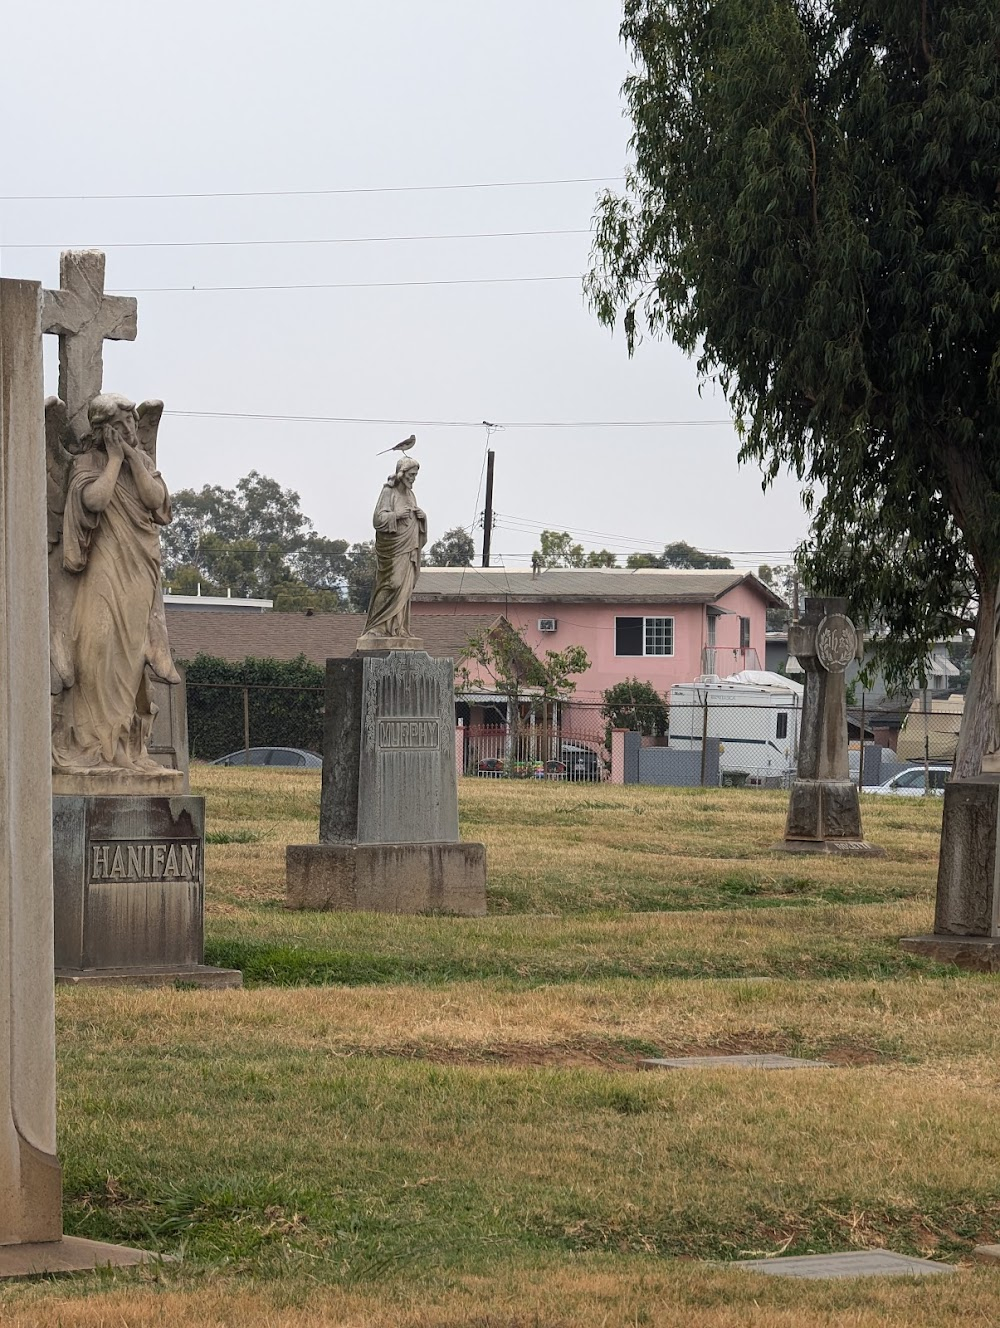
404 446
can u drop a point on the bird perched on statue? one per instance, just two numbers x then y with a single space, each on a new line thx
404 446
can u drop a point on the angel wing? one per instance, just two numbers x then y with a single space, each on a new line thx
58 460
62 587
149 413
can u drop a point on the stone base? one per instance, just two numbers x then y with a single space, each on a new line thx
824 809
69 1255
198 975
159 783
387 878
853 848
370 643
978 954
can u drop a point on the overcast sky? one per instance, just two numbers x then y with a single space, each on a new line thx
364 105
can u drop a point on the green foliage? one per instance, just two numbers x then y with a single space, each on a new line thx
601 558
556 549
252 540
285 697
454 549
678 554
813 212
360 575
505 659
634 705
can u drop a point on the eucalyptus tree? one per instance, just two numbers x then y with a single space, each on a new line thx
813 210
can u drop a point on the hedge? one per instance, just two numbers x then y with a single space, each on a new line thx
285 703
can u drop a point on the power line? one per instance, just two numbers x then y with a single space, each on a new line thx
336 239
314 193
444 424
348 285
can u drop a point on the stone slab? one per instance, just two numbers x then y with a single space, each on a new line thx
977 954
370 643
72 1254
198 975
748 1061
987 1253
387 878
851 1263
129 881
850 848
30 1184
968 885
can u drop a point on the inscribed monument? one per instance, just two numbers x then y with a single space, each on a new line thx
824 813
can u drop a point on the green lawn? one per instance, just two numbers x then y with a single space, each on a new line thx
436 1121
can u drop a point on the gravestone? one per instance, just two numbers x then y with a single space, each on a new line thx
824 812
967 909
129 840
389 805
31 1239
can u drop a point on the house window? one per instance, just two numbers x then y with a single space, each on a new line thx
781 730
644 636
744 633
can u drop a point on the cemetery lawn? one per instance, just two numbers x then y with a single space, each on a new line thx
434 1121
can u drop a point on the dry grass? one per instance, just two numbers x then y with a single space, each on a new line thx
591 848
459 1135
619 1293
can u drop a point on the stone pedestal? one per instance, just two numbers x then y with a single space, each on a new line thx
967 913
824 812
389 806
129 884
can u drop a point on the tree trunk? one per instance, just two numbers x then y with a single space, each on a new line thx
980 732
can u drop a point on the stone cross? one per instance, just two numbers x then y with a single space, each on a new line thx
84 318
824 814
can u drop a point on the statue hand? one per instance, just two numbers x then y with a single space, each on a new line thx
420 514
114 444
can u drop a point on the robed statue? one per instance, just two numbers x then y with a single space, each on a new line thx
400 535
107 502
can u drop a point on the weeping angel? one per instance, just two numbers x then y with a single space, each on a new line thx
106 503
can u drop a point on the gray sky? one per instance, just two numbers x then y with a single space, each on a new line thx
216 97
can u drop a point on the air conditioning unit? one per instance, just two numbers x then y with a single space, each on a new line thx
547 624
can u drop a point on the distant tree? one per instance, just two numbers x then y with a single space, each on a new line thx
679 554
601 558
634 705
556 549
360 575
454 549
252 540
500 656
781 580
686 555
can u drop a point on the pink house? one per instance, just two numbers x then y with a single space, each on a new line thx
660 626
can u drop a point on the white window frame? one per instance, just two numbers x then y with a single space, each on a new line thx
646 620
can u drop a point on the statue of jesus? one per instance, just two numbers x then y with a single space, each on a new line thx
400 535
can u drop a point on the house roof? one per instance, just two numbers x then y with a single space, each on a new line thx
572 585
318 636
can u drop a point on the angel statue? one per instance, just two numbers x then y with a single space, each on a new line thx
106 503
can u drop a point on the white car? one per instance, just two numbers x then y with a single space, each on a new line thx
910 783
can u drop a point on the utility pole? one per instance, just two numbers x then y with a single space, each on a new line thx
488 512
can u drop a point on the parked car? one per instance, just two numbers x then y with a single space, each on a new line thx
581 761
910 783
284 756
